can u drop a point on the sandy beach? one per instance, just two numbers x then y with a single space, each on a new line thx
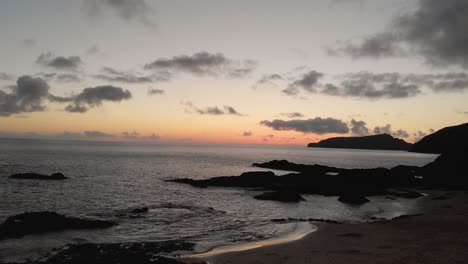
438 236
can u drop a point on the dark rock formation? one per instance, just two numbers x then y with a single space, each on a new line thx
318 220
41 222
290 166
140 210
449 140
382 142
353 198
317 181
122 253
405 216
280 196
449 170
36 176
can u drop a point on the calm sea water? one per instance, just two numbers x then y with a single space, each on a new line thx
108 179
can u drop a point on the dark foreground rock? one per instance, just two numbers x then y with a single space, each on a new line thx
41 222
449 170
381 142
318 220
280 196
353 198
122 253
36 176
140 210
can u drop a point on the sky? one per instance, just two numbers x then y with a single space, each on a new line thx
240 72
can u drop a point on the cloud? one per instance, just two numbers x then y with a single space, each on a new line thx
94 50
306 82
247 134
267 80
112 75
292 115
59 62
28 95
92 97
419 135
317 125
359 128
97 134
29 42
436 30
204 64
60 77
131 135
387 129
211 110
152 91
5 76
128 10
154 137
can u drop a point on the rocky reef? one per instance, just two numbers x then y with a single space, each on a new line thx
20 225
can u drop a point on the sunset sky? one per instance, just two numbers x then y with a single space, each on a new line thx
265 71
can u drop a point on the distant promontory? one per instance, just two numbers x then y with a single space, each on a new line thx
379 142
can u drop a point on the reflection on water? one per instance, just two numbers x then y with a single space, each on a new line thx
108 179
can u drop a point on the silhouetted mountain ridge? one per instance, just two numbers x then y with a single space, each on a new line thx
380 142
453 139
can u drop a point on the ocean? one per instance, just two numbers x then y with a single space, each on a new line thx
108 179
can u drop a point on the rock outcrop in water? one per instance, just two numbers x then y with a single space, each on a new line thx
449 140
317 180
378 142
122 253
280 196
36 176
42 222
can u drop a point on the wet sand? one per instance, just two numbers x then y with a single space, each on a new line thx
438 236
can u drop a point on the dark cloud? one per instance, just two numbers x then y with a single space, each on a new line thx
128 10
5 76
112 75
59 77
267 80
59 62
331 89
97 134
377 46
387 129
68 77
292 115
437 30
317 125
247 134
204 63
306 82
359 128
211 110
28 95
95 96
373 86
155 91
396 85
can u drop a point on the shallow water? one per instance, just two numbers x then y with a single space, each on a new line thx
109 179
